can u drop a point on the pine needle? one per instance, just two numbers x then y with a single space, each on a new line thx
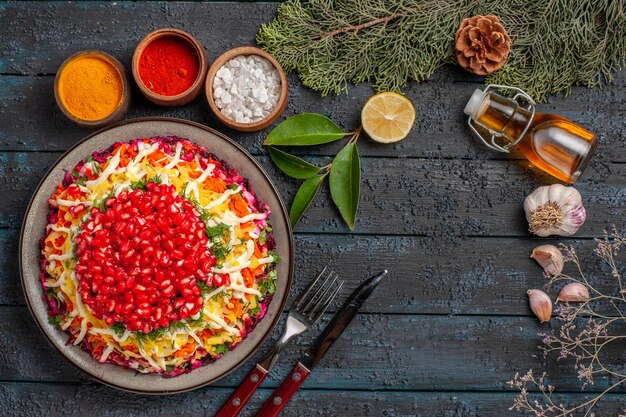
556 43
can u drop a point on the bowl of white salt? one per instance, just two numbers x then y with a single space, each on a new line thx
246 88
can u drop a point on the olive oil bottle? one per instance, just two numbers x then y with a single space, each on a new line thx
550 142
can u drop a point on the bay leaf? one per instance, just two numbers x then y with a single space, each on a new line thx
303 130
345 182
305 195
292 165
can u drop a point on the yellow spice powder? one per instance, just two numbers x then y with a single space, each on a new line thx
90 87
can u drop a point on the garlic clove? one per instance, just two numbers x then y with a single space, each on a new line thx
540 304
554 210
550 258
574 292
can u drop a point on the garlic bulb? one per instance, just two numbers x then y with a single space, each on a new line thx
550 258
540 304
554 210
574 292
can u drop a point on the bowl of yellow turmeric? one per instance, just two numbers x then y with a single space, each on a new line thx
91 88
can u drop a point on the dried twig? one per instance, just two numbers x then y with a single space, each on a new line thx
585 344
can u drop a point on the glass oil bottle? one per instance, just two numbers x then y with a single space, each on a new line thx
550 142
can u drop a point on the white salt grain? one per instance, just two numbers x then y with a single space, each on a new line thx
247 89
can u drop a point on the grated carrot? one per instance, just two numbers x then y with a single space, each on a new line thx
215 185
238 205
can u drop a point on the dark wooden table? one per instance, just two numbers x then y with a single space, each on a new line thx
451 324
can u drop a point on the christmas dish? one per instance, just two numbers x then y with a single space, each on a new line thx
157 256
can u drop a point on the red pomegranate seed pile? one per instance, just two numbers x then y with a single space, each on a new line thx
139 262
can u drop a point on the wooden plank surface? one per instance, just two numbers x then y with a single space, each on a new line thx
473 276
440 131
39 39
443 198
449 327
90 400
376 352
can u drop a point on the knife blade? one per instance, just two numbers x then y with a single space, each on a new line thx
338 323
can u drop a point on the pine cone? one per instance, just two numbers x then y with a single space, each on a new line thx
482 44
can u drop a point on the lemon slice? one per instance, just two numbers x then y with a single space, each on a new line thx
388 117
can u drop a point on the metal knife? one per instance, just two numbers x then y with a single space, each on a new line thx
277 401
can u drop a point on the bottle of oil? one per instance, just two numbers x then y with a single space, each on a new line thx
552 143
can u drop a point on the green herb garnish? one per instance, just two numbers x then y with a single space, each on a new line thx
217 231
220 251
254 311
219 349
56 319
118 328
196 323
274 255
204 214
142 183
263 235
268 285
205 289
101 204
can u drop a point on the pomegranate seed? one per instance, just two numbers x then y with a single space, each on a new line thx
168 291
217 280
126 310
141 298
139 288
77 209
141 266
110 202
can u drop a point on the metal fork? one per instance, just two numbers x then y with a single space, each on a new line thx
310 305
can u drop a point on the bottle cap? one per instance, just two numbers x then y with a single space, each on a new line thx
475 102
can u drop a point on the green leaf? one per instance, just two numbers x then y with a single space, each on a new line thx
304 197
345 179
303 130
292 165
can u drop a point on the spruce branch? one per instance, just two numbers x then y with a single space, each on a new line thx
376 21
556 44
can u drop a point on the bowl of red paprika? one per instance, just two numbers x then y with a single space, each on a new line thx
169 67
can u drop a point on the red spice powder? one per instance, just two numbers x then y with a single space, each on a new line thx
168 66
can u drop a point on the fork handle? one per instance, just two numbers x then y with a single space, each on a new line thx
242 394
278 400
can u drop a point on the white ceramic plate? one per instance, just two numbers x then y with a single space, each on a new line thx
35 222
